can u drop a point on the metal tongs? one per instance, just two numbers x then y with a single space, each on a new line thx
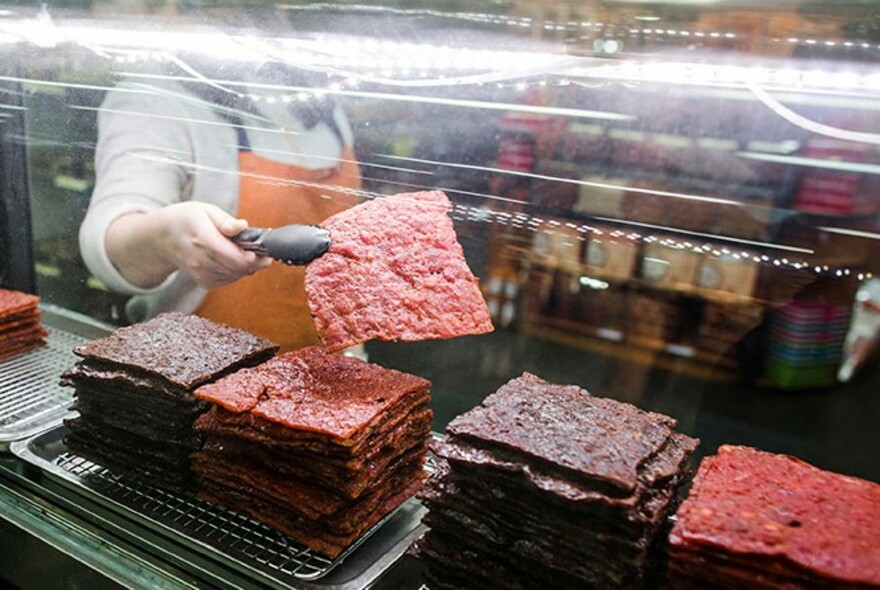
292 244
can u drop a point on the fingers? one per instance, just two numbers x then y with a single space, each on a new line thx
221 250
203 249
223 221
216 274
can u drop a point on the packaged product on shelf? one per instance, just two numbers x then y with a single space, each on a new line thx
750 221
583 141
560 193
627 146
643 205
724 325
701 216
671 264
654 317
601 195
558 242
830 191
611 253
604 309
734 273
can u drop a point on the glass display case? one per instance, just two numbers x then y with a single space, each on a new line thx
670 203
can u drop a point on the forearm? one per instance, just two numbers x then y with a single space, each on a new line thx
133 244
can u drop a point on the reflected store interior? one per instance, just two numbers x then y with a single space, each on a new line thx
673 204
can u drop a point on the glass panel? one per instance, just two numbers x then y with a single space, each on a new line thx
670 203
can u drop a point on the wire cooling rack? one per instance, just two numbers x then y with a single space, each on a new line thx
223 529
31 398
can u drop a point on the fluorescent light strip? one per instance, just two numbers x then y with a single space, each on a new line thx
603 185
62 84
184 119
452 190
452 102
850 232
281 181
712 236
843 166
362 164
370 195
190 99
12 107
804 123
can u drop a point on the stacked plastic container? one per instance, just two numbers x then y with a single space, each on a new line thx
805 344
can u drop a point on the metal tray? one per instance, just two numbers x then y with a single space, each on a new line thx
219 533
31 399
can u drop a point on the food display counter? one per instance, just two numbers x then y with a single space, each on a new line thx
98 527
647 232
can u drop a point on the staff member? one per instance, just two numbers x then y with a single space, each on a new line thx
180 169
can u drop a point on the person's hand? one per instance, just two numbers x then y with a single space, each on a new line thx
197 241
192 237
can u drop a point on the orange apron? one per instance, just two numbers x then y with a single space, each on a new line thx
272 303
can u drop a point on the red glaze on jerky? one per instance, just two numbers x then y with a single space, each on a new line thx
394 271
780 510
314 390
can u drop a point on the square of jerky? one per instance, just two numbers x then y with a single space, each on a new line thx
566 428
15 302
762 505
394 271
315 390
184 349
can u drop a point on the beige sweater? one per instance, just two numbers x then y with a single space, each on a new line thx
157 145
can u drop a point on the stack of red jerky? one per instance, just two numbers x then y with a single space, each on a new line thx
20 327
546 486
134 393
759 520
317 445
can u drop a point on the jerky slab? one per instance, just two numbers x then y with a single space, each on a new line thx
566 427
394 271
134 393
783 516
546 485
20 327
15 302
317 445
316 391
184 349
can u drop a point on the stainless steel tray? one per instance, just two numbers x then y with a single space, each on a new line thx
222 534
30 397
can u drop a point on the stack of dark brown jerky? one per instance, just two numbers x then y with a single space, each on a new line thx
20 327
760 520
134 393
546 486
317 445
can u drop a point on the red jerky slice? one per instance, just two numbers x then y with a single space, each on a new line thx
746 501
29 332
394 271
12 302
314 390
